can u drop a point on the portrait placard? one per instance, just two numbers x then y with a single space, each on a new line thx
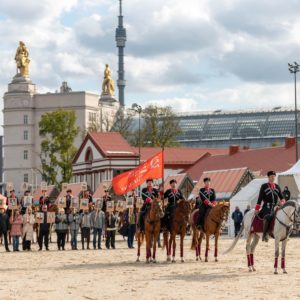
24 186
61 202
84 203
2 203
50 217
74 203
39 217
129 202
98 203
84 186
36 202
121 205
9 186
44 186
64 186
139 202
27 201
110 206
12 203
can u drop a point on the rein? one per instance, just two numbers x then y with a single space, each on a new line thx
291 218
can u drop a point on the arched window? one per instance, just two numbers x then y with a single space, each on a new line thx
88 155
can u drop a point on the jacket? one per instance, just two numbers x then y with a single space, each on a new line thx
98 219
237 216
86 221
74 220
61 223
28 222
45 226
16 225
111 222
4 222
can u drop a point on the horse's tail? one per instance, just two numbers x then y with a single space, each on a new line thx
235 240
165 243
141 237
194 238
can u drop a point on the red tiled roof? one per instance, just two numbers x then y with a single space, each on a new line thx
112 144
75 187
101 188
223 181
257 160
180 156
109 144
38 193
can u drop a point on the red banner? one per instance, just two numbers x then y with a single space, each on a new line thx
128 181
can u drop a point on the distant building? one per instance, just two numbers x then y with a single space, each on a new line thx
246 128
23 109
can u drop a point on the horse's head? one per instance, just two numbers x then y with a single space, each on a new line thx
156 211
223 209
185 207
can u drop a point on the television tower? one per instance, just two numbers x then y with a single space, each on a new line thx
121 39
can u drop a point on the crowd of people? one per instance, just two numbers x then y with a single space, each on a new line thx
22 224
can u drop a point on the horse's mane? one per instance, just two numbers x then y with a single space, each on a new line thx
289 203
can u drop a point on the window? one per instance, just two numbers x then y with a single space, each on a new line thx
25 154
25 119
26 178
92 116
25 135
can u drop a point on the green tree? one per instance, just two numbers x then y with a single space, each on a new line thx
160 128
58 132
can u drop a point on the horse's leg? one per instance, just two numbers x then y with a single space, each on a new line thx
148 255
207 247
173 237
216 246
181 246
199 244
252 249
139 246
277 241
170 246
248 251
155 241
283 247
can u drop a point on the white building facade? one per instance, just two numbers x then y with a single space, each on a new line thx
23 109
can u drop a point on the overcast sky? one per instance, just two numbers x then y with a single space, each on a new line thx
191 54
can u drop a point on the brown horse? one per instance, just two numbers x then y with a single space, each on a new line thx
152 230
179 223
214 220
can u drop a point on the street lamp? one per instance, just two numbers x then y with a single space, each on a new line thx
138 109
294 68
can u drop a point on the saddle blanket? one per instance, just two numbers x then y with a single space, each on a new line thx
258 225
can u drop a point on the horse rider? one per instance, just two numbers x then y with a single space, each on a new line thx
207 197
271 196
148 193
173 195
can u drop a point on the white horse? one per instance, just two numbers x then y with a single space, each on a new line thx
283 226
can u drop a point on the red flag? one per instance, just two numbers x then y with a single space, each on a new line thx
128 181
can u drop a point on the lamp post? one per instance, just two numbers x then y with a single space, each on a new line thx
138 109
294 68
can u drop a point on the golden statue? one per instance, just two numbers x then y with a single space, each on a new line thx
22 60
108 85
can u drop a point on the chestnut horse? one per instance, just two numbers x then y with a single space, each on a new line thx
152 230
214 220
179 223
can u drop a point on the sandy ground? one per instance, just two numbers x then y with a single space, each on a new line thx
114 274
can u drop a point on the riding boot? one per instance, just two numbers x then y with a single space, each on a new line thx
265 236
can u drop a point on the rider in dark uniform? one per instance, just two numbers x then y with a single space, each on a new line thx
207 197
106 198
148 193
271 196
173 195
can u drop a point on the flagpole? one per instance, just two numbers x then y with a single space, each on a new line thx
163 174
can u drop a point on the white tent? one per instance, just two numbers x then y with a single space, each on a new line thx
246 196
291 178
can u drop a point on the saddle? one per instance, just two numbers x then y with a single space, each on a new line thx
258 225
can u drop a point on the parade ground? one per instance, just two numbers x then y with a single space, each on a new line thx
114 274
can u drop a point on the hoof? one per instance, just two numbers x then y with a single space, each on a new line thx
206 260
168 258
147 261
138 259
182 260
154 261
173 260
250 270
253 269
284 271
197 258
216 260
276 272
